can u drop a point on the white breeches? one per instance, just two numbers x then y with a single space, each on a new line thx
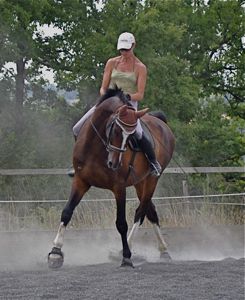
79 124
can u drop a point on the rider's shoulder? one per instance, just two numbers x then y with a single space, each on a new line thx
112 61
140 66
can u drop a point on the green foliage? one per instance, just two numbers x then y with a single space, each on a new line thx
215 33
19 21
213 137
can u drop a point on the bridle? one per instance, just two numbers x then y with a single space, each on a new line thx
125 133
109 130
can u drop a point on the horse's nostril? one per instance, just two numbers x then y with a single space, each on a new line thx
109 164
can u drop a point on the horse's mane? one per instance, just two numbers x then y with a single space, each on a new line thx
115 92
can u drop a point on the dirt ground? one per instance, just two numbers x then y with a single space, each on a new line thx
208 263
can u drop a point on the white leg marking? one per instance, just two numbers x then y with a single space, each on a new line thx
132 234
59 239
162 246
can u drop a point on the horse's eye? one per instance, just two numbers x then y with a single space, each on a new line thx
117 133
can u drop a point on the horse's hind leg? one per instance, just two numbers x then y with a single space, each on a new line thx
146 208
138 218
132 234
152 216
79 188
140 213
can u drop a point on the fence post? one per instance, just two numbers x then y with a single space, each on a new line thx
186 200
185 188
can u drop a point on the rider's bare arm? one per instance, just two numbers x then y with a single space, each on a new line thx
141 82
107 76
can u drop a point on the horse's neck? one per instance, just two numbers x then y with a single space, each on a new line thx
97 128
105 110
99 119
110 104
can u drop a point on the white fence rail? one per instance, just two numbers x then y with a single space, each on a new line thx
242 195
183 170
24 215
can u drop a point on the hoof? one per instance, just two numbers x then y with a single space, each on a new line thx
127 262
55 258
165 257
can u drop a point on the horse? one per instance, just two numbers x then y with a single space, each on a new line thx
103 157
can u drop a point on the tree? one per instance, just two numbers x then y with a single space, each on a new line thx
88 40
216 49
19 22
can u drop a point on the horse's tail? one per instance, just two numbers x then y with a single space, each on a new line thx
160 115
148 211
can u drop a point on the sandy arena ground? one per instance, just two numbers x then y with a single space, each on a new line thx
208 263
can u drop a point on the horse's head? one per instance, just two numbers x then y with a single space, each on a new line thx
119 127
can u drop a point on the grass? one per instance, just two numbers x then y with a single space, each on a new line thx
102 214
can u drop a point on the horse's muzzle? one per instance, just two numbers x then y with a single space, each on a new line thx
111 166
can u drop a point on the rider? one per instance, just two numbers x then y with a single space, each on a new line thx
128 73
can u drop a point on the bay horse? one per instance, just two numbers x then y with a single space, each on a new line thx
102 158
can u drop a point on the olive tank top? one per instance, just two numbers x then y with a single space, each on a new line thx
126 81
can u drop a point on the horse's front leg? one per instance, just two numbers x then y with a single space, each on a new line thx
122 226
56 256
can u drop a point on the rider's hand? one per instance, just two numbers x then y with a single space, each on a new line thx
128 97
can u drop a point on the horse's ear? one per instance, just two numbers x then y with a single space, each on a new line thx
141 113
122 110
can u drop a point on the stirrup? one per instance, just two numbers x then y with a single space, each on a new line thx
156 169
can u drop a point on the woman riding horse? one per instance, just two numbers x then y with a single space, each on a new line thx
102 158
128 73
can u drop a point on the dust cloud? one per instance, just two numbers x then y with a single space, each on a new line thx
208 243
29 250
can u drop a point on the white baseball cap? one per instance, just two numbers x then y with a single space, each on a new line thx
125 41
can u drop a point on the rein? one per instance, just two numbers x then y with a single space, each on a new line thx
98 134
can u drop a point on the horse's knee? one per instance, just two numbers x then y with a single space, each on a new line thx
122 226
66 215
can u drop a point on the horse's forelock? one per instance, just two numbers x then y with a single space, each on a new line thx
115 92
